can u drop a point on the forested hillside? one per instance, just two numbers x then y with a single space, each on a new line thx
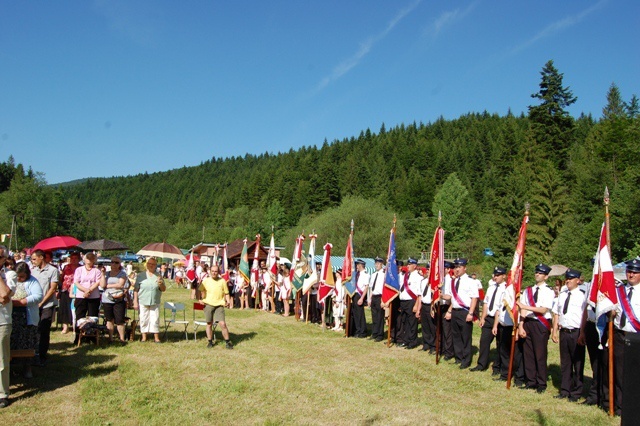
479 170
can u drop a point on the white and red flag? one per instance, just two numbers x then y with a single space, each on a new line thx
255 268
224 268
273 261
327 282
514 278
603 296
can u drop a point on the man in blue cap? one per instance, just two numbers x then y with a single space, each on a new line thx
359 328
490 307
535 327
409 290
376 282
567 317
627 320
464 297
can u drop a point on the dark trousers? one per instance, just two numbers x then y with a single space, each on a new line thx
409 323
571 363
595 359
446 344
84 307
314 313
506 337
618 370
486 338
461 332
535 353
359 322
428 327
377 318
44 329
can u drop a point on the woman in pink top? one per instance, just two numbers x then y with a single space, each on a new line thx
86 281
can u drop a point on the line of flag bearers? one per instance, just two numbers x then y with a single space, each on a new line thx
563 315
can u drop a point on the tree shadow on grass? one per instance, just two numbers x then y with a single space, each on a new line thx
238 338
67 365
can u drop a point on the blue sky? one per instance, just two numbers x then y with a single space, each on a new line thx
111 88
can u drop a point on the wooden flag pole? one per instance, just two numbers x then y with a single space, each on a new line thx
306 316
611 313
297 306
438 308
347 322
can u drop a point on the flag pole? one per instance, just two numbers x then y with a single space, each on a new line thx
347 322
439 307
516 317
612 312
390 316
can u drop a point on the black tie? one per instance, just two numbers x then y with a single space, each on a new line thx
566 303
426 289
373 287
493 299
457 284
535 295
623 318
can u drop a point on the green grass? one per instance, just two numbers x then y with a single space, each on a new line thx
281 372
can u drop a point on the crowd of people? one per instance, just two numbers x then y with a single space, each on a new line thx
559 311
31 288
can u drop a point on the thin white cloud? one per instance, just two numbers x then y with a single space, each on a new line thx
557 26
365 47
447 19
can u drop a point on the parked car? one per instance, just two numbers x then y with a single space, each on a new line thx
128 256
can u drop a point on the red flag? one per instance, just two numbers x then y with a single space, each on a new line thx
273 262
347 263
603 295
327 283
436 277
224 269
514 278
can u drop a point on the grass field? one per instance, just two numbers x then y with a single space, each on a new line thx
280 372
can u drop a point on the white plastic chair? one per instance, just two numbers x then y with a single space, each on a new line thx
173 318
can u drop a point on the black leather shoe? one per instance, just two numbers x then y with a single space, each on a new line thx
447 358
560 396
574 398
589 402
541 390
463 367
411 346
477 368
378 339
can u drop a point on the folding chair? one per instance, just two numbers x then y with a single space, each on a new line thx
201 322
173 318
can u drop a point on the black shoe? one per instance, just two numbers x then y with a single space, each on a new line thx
589 402
477 368
411 346
4 402
229 345
378 339
402 345
521 386
560 396
425 348
574 398
447 358
495 373
541 390
210 344
463 367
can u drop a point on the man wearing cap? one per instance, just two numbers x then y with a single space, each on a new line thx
567 317
427 321
464 297
490 306
358 301
375 303
446 347
535 308
409 290
503 330
590 337
627 320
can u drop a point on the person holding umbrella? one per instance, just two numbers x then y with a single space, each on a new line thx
146 298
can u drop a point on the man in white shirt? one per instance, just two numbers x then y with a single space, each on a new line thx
464 297
6 309
359 328
409 290
490 307
376 282
535 327
567 317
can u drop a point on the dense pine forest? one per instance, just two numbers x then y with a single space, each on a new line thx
479 170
